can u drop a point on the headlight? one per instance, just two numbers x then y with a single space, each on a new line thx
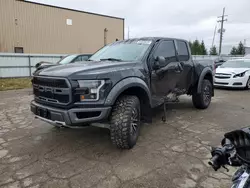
91 89
240 75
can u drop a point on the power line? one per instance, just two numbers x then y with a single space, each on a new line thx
222 20
214 34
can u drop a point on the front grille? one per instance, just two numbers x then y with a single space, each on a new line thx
50 82
222 76
221 83
51 90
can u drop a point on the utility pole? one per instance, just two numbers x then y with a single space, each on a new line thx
222 20
214 35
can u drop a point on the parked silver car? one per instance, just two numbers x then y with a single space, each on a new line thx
65 60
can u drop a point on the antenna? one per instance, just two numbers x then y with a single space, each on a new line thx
128 32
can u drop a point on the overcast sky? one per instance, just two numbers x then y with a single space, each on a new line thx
188 19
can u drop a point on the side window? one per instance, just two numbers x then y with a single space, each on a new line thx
79 58
85 57
182 51
167 50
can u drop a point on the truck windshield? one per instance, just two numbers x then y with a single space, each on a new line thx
236 64
131 50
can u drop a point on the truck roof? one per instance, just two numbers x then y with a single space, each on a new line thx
154 38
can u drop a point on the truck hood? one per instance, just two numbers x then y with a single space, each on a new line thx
86 70
231 70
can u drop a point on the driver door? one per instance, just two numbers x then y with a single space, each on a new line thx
165 77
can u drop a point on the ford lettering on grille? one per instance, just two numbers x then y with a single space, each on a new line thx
48 90
51 90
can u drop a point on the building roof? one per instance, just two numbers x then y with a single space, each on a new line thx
42 4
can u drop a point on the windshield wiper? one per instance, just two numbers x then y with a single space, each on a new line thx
111 59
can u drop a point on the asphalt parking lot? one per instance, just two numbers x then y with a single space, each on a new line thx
172 154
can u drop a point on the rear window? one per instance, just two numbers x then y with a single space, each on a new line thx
182 51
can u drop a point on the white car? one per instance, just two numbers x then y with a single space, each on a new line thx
233 73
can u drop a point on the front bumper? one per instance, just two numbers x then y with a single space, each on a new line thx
239 82
69 118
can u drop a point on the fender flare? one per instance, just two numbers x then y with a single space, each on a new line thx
126 84
205 71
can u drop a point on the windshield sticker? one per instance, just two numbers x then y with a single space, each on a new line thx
144 42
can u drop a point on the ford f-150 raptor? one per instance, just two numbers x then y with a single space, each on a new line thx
119 85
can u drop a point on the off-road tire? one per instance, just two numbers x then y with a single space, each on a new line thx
199 99
121 122
248 84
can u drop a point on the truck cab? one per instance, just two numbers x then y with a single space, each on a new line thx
120 85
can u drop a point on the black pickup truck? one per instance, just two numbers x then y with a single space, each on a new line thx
119 86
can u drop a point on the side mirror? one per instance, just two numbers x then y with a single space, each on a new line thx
159 60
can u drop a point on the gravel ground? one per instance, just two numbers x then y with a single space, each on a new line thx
172 154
